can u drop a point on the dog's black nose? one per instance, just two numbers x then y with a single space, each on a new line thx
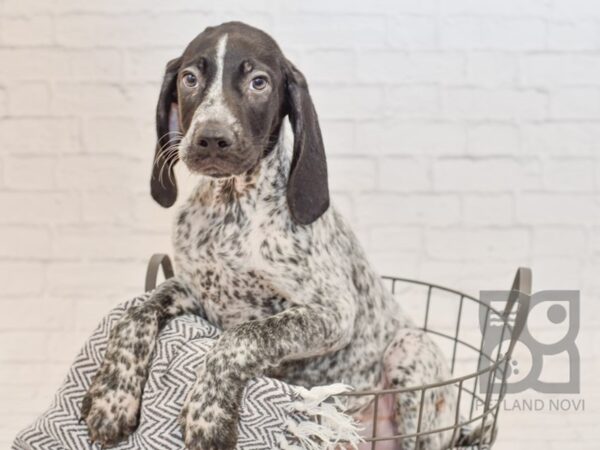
214 138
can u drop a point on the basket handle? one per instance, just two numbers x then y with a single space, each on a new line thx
521 292
156 261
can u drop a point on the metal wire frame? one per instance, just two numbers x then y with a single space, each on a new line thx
488 365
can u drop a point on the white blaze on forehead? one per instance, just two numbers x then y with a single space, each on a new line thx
213 106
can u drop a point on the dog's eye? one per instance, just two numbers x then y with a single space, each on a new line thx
190 80
258 83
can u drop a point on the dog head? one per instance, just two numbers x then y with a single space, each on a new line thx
221 106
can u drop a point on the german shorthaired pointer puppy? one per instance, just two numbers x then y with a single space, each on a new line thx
261 254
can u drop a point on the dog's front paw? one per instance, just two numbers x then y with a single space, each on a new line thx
109 410
210 415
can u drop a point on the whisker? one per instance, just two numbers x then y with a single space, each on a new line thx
168 133
170 143
168 163
165 161
174 148
170 169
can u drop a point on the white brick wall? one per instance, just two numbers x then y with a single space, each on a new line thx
462 138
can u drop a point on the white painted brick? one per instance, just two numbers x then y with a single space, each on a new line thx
41 314
339 137
124 6
422 209
576 35
147 64
408 137
64 345
396 239
42 65
467 276
45 135
488 209
337 66
496 8
21 279
487 175
549 209
331 31
595 240
404 174
26 64
358 102
113 135
412 32
90 65
39 208
25 243
562 69
3 103
351 174
414 101
232 7
105 173
478 244
492 69
100 244
359 6
569 175
591 284
345 206
98 100
114 280
502 104
106 208
561 138
28 30
394 262
575 9
515 34
29 99
31 373
32 346
148 215
414 67
87 314
127 30
493 139
140 99
29 173
559 272
576 103
559 241
26 7
93 100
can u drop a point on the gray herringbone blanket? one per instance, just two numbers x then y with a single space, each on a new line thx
273 415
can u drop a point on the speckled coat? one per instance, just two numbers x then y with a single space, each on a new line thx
297 300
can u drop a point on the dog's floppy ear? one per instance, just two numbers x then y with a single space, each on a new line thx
307 189
163 187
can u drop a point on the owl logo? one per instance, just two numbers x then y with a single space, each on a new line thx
545 358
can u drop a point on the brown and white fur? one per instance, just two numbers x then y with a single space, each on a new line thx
261 254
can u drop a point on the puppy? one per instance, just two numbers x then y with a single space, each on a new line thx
260 253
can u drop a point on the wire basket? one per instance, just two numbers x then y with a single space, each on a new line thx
482 353
479 340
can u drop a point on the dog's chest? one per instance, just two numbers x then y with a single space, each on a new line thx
218 252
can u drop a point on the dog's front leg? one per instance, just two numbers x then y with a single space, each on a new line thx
210 415
111 405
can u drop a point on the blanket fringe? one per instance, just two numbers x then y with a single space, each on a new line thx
326 426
